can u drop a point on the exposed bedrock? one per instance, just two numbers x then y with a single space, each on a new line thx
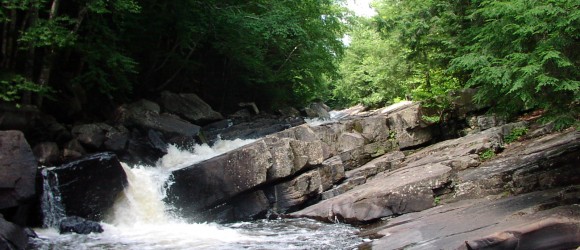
291 168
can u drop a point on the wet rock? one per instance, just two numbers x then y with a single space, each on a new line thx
290 195
12 236
529 220
189 106
47 153
88 187
249 130
245 207
17 175
144 147
214 181
75 224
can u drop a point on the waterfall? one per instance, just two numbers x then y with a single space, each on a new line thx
142 201
51 204
140 219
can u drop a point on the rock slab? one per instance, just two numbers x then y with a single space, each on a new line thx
88 187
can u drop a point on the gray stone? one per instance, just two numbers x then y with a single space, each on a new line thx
12 236
215 181
91 135
75 224
331 171
116 139
145 114
350 141
46 152
290 195
402 191
17 170
73 150
540 163
317 109
189 106
536 220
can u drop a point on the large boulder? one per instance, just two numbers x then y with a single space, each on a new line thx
17 175
406 125
212 182
12 236
189 107
87 187
75 224
145 114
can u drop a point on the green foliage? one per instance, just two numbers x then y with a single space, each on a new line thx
13 85
437 200
515 134
523 55
487 154
49 33
371 69
431 119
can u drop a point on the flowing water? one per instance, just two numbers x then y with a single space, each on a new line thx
140 219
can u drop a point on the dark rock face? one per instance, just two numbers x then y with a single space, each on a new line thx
189 107
144 147
79 225
46 152
17 175
260 127
290 195
88 186
212 182
12 236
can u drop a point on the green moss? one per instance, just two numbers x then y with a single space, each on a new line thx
487 154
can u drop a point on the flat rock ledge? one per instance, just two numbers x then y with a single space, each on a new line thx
447 196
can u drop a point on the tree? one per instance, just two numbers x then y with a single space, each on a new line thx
373 69
524 55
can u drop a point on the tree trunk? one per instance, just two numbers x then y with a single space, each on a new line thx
49 58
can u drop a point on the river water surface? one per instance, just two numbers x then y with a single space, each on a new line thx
141 220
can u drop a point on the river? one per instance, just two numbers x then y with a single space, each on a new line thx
141 220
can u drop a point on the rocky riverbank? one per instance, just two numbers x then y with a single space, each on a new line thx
388 171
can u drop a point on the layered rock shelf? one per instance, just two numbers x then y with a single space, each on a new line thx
388 171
